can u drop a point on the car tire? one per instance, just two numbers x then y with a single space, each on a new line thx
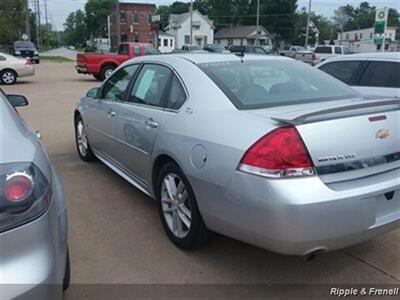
106 71
8 77
97 77
82 143
67 274
180 216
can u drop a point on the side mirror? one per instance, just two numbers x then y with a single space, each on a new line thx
17 100
92 93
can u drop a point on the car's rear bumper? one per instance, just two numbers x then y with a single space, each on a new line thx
299 216
81 70
33 256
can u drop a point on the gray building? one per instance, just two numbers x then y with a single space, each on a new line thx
243 35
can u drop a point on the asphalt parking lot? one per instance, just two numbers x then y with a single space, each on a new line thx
115 234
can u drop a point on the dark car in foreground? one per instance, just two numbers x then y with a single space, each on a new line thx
34 260
25 49
264 149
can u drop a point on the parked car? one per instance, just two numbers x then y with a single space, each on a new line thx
25 49
263 149
34 258
12 67
372 74
299 53
248 49
190 49
102 65
215 48
326 51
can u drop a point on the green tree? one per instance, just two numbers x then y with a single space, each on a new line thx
96 12
75 29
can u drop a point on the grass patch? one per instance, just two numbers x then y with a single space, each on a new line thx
58 59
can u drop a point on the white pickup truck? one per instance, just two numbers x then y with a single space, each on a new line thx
299 53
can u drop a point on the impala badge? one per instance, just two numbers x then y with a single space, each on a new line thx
383 133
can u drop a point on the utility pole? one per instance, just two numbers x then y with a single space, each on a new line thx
258 12
27 24
191 22
37 10
118 24
308 23
45 11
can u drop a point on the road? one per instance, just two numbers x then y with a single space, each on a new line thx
115 234
63 52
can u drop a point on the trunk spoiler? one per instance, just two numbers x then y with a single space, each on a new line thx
342 112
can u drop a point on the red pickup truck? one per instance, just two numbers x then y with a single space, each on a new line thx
102 65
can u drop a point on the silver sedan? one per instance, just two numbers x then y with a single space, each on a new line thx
34 261
263 149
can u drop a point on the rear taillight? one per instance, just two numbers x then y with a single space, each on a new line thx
281 153
24 194
28 62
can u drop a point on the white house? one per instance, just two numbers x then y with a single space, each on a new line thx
179 27
362 40
243 35
166 42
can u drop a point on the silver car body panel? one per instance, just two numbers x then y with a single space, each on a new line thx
33 256
291 216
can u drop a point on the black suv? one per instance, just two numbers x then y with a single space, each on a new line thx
25 49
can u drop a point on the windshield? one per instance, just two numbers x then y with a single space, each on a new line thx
299 48
22 44
262 83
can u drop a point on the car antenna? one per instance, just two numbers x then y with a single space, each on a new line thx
241 55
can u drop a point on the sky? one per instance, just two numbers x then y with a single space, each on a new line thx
58 10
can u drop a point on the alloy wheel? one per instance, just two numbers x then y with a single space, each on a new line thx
176 205
81 138
8 77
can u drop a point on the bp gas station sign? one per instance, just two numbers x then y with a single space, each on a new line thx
380 25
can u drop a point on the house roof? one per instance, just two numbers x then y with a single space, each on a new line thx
242 32
162 33
180 18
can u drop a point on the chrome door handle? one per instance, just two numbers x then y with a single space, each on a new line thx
151 123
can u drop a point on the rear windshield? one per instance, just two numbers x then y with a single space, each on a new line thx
262 83
22 44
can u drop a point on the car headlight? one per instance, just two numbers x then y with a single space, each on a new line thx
25 194
17 52
36 53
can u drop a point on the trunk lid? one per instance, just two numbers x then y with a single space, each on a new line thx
348 139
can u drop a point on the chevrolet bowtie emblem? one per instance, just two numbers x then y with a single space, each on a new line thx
383 133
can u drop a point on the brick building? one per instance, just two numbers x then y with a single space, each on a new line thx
135 24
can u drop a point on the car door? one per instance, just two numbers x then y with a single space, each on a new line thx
380 78
141 117
102 111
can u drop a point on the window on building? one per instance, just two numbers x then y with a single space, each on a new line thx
187 39
137 37
122 17
171 42
149 17
124 38
165 42
347 36
135 17
371 35
361 35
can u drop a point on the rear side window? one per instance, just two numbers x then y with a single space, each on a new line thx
381 74
323 50
263 83
177 95
342 70
150 85
338 50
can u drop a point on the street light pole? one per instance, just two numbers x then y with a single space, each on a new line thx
308 23
258 12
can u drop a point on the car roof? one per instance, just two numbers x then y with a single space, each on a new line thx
199 58
367 56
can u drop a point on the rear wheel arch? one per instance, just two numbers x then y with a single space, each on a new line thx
159 162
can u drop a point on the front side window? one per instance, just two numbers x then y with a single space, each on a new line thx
381 74
342 70
263 83
114 89
176 95
150 86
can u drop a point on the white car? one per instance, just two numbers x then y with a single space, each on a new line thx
371 74
12 67
323 52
